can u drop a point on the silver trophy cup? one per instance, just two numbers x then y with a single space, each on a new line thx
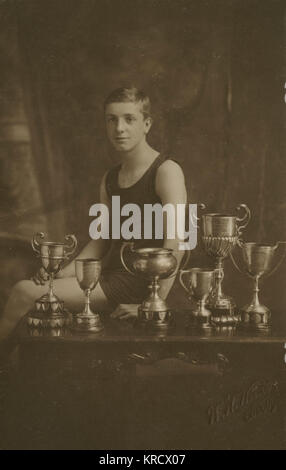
258 262
220 234
87 273
199 283
49 311
151 264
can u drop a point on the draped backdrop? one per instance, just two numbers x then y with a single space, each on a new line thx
215 74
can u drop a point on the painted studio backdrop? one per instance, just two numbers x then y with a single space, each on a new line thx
215 74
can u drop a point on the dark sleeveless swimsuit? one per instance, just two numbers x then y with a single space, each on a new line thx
119 286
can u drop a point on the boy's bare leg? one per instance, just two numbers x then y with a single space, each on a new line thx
24 294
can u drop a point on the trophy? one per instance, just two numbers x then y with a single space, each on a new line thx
220 234
87 273
49 310
257 262
152 264
199 284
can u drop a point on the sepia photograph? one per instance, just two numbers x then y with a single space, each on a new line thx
142 226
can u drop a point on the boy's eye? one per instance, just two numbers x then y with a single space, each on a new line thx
129 119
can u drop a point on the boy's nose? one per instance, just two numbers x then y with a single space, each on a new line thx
120 125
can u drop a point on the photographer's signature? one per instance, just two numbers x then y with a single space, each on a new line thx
258 399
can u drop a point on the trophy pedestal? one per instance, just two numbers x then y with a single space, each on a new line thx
87 323
48 332
49 305
256 317
199 318
223 311
199 324
159 320
48 321
48 313
154 312
224 317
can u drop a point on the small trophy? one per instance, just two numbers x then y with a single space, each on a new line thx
152 264
199 284
49 310
87 273
220 234
258 262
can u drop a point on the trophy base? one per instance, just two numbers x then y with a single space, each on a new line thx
222 302
39 320
223 311
161 320
47 306
48 332
196 327
83 323
225 318
225 330
256 317
199 320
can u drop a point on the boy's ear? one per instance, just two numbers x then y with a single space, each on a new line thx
148 123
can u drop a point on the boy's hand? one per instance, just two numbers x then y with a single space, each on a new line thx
125 312
41 277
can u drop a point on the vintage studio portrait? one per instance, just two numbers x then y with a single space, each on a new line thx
143 235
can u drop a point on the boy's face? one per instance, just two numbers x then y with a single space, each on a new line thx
125 125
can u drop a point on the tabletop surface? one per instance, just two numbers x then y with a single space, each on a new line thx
128 332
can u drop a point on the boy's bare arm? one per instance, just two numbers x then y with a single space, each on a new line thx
171 188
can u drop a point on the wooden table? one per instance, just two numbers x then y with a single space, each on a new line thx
131 389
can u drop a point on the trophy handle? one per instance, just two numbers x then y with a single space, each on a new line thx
245 219
201 206
34 242
182 272
280 261
188 254
239 242
70 249
123 246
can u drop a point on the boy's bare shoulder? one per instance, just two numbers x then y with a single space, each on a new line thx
170 168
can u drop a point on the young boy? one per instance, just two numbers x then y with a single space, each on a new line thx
144 176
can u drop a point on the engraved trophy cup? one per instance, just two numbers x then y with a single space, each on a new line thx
258 261
152 264
87 273
49 311
199 283
220 234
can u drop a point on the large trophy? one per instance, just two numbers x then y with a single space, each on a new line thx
220 234
199 283
151 264
49 311
87 273
258 260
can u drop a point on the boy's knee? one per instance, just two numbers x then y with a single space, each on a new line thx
22 290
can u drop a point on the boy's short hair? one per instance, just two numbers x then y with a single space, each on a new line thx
130 95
